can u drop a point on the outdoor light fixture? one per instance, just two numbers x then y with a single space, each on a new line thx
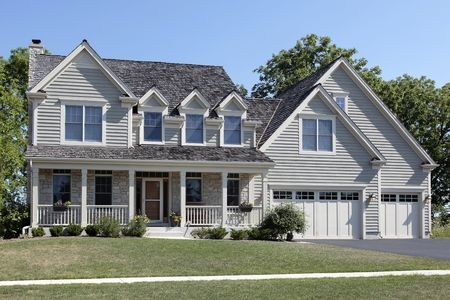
428 199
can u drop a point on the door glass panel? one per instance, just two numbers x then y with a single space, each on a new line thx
152 190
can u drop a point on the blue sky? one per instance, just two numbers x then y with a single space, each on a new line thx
399 36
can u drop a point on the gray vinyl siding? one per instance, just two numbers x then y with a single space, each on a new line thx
350 164
403 164
84 81
212 137
172 136
248 138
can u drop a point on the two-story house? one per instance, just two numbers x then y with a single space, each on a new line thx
121 137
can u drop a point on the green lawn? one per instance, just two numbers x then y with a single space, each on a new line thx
414 287
84 257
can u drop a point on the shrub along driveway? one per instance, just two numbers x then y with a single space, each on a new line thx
429 248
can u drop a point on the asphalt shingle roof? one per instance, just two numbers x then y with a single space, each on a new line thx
174 80
150 152
291 99
261 110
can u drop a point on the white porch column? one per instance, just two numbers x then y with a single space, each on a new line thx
34 197
183 198
131 194
264 198
224 197
83 197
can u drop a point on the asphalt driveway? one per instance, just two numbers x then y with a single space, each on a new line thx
424 248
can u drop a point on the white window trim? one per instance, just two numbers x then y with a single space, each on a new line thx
163 111
64 103
95 186
317 117
316 194
222 129
186 112
343 95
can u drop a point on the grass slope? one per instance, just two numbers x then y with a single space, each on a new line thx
49 258
414 287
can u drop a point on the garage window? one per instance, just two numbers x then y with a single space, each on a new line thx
328 195
408 198
388 197
304 195
282 195
352 196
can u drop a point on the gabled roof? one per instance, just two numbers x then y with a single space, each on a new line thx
261 110
48 77
291 99
174 80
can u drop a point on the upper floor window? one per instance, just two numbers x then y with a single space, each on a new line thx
153 126
83 123
194 129
317 135
232 131
341 102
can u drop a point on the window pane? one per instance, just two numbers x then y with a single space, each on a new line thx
193 190
153 126
325 135
194 128
93 133
93 115
233 192
103 190
74 123
341 102
232 130
61 188
309 131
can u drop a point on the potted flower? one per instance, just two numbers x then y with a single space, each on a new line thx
60 205
245 206
175 219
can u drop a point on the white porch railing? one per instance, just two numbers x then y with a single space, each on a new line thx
237 218
96 212
47 216
204 214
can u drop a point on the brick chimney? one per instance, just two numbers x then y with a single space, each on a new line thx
34 50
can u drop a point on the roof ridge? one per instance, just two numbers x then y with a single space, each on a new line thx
145 61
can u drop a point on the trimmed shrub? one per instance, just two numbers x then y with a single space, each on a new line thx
109 227
257 233
37 232
56 230
74 230
136 227
92 230
238 234
283 219
215 233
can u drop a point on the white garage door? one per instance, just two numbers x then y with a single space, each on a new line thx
330 214
400 215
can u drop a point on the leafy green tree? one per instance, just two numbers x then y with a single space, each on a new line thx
13 134
309 54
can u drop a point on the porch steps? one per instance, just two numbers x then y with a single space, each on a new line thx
168 232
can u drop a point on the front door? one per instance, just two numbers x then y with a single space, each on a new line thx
152 199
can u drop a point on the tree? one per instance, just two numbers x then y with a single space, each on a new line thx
309 54
241 88
13 134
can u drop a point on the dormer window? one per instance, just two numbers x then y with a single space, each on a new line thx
232 130
153 126
194 129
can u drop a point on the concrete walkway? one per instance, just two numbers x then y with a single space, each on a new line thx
224 277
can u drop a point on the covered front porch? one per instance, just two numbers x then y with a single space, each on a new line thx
202 196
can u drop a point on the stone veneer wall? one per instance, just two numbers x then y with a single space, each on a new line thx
46 186
175 190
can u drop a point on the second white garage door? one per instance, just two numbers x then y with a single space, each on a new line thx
400 215
330 214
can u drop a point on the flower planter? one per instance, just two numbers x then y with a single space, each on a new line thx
60 208
245 209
